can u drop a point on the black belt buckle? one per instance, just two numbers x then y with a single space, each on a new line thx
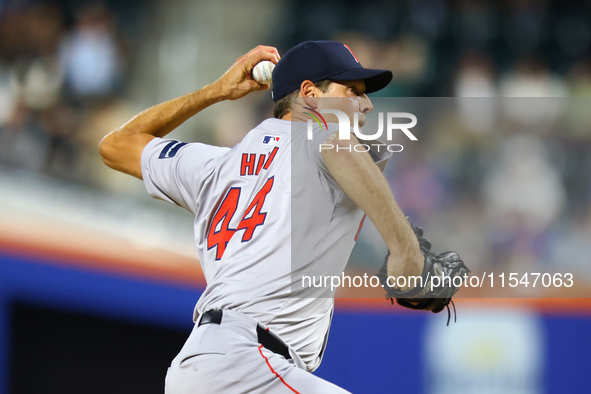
213 316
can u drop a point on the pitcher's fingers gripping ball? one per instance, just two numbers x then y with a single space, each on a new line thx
263 72
436 288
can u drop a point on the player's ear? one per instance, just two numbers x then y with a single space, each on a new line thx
308 89
308 93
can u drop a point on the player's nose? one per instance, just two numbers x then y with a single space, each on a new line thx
365 105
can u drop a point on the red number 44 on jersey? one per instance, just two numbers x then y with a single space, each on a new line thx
220 232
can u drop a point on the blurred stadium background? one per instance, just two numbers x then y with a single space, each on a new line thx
98 281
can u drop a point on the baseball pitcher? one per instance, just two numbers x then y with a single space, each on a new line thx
253 333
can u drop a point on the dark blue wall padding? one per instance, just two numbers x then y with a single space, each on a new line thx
368 352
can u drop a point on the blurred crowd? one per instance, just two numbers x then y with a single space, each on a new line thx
505 181
62 66
512 197
509 186
462 47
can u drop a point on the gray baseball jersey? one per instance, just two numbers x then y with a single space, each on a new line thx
267 211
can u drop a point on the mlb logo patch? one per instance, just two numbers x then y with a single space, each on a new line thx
270 140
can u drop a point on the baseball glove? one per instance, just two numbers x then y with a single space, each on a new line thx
430 295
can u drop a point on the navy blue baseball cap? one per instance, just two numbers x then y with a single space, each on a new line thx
319 60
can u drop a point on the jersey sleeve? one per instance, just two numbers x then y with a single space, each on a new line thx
172 170
316 155
377 151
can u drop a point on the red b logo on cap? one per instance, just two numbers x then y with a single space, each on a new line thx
357 60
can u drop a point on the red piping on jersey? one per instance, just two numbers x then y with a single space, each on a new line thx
360 227
276 374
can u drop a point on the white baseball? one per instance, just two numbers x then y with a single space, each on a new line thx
263 72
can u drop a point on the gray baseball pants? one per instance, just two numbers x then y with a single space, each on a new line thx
226 358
